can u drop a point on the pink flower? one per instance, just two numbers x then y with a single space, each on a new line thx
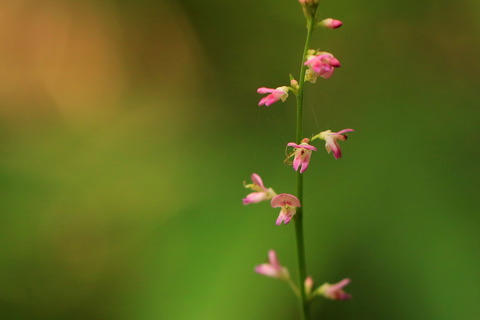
334 291
321 65
330 23
273 268
331 143
303 153
280 93
288 203
261 193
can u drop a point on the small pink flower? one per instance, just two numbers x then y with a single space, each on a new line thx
288 203
322 65
334 291
331 143
280 93
330 23
273 268
261 193
303 153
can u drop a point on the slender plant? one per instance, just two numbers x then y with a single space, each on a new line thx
314 64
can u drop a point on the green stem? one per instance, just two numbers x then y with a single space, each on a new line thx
304 304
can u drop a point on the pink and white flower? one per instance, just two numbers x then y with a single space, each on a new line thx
273 269
322 65
334 291
302 153
289 204
280 93
261 193
331 139
330 23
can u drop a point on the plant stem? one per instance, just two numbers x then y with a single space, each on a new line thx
304 304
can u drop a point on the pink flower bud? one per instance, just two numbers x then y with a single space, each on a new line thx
289 204
294 84
330 23
308 286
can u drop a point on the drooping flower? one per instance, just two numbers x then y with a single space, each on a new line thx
302 153
334 291
331 138
321 64
273 269
280 93
330 23
260 193
288 203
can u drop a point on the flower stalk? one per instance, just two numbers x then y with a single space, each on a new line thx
302 267
314 64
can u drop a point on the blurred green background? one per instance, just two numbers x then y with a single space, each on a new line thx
127 128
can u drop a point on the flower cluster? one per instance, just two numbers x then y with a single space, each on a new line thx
274 269
315 64
286 201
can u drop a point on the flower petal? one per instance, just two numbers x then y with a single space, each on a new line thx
254 197
333 146
285 199
297 161
293 144
272 258
306 161
343 131
257 180
267 270
264 90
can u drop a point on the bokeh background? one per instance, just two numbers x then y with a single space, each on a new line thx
127 128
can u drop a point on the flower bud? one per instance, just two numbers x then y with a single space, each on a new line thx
308 286
330 23
294 84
